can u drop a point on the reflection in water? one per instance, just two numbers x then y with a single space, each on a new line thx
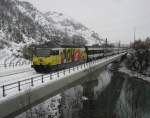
101 95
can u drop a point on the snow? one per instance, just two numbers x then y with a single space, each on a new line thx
50 23
58 18
71 101
10 62
84 98
103 82
14 75
48 108
22 9
36 16
134 74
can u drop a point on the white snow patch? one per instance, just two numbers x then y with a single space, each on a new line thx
134 74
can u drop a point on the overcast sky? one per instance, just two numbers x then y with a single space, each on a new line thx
114 19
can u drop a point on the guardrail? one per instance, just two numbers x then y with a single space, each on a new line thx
13 65
42 78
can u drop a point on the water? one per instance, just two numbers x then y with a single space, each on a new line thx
103 94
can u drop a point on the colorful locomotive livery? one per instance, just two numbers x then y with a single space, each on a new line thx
69 55
47 59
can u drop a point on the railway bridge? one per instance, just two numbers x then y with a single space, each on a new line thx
19 96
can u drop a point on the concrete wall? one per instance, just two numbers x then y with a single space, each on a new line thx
12 106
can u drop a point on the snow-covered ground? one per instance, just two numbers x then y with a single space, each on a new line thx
10 62
134 74
45 110
16 75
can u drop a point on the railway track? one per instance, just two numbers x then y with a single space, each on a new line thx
5 74
17 75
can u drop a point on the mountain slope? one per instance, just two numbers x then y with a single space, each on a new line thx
21 24
72 27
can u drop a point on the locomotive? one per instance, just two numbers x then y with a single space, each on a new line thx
49 59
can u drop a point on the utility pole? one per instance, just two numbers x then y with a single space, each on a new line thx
118 46
99 42
134 36
105 46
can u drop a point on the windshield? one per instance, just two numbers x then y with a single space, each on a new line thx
43 52
46 52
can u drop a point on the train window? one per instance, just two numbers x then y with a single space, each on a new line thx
95 51
42 52
90 52
54 52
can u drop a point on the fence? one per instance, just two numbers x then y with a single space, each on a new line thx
13 65
20 85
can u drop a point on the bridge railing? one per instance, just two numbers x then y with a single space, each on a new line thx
34 81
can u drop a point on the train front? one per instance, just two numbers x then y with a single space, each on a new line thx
42 59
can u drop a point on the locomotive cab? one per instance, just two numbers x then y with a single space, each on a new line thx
44 58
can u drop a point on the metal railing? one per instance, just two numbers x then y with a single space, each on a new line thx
13 65
42 78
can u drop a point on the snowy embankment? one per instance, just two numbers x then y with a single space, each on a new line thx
137 65
134 74
16 75
11 62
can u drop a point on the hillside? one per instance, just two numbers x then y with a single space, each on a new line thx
22 24
72 28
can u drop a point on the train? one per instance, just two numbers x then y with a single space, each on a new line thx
51 59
